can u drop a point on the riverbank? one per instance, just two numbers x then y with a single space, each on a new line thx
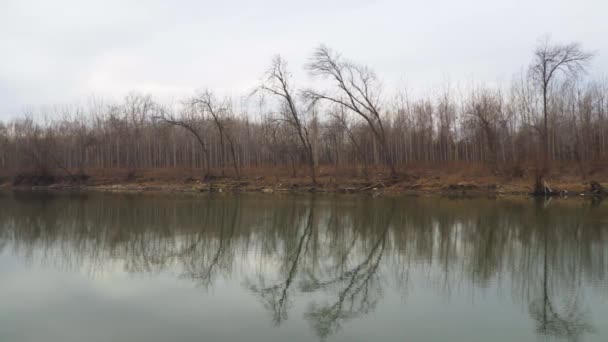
408 185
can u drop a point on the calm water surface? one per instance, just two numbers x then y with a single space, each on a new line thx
107 267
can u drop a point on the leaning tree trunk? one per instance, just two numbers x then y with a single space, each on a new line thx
541 188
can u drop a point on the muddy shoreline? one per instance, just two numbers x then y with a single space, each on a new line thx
405 186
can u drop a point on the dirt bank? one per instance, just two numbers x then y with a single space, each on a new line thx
410 185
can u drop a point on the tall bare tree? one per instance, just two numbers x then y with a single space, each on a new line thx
220 115
356 88
277 83
552 116
549 61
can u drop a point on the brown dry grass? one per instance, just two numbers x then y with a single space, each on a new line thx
415 178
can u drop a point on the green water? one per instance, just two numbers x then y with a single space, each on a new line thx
262 267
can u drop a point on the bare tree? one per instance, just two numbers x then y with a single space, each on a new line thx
4 144
340 120
486 110
190 126
220 115
137 109
552 116
278 84
549 61
357 89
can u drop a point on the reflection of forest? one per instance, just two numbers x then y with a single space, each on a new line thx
346 248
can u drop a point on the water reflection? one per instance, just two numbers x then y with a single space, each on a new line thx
337 254
569 321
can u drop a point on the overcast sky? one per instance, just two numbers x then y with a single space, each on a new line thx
64 51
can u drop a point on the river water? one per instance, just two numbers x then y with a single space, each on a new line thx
268 267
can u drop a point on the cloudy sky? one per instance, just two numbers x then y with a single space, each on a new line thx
64 51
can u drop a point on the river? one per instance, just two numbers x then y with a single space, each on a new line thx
270 267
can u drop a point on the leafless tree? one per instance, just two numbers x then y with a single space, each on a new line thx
549 61
221 118
278 84
357 89
549 117
338 113
486 109
190 126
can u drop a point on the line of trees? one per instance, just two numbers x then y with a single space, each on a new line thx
552 113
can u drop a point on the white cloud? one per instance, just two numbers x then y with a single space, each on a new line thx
61 51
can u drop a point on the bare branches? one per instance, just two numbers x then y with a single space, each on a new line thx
355 85
549 61
220 114
170 119
344 122
356 88
277 84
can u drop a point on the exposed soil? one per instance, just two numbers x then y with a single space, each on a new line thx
421 183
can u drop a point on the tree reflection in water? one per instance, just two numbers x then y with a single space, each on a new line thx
357 288
276 297
334 253
568 321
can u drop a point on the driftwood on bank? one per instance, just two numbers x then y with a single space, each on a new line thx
373 186
596 189
381 184
543 189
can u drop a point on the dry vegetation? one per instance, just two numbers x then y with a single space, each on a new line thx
550 124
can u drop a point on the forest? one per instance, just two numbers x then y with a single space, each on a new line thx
553 113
